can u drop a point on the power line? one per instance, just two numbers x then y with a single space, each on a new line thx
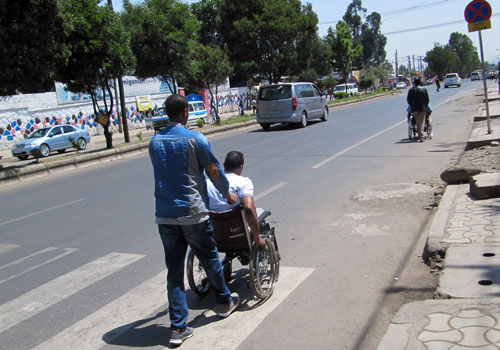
430 26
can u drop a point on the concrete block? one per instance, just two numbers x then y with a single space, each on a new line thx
486 185
86 160
60 166
108 155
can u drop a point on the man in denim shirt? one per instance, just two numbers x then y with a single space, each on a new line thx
179 157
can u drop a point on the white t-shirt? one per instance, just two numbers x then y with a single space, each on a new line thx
240 185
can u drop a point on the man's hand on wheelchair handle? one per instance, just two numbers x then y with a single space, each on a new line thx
231 198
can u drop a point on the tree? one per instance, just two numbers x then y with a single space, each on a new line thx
29 43
372 41
366 34
466 52
343 50
163 38
366 80
442 60
212 69
262 38
96 50
207 13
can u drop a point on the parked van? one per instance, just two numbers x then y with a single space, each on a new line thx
349 89
290 103
475 76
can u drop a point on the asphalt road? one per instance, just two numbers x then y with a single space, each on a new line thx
81 264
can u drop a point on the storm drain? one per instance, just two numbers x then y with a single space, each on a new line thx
471 271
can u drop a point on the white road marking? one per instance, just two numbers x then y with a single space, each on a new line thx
6 247
67 251
338 154
118 316
228 334
31 303
270 190
114 319
41 212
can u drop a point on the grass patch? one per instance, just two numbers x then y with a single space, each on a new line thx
357 97
236 119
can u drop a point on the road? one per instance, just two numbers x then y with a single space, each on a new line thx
81 263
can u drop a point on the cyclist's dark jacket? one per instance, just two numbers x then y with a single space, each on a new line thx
418 99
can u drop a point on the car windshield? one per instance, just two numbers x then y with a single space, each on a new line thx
39 133
340 88
451 76
275 92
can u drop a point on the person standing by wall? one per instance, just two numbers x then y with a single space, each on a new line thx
179 157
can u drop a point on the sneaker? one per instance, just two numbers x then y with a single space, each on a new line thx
179 335
224 310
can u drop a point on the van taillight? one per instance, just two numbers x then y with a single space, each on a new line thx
294 104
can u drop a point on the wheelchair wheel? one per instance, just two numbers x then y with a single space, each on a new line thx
428 127
196 275
264 269
410 130
227 270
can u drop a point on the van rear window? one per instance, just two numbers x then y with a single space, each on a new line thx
275 92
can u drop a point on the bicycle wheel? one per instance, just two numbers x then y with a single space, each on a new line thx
410 130
196 275
263 269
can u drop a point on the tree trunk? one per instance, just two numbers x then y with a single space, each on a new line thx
109 137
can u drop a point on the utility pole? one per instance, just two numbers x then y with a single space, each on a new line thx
396 70
122 98
414 67
409 64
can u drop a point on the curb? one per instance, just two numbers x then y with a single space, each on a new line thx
35 171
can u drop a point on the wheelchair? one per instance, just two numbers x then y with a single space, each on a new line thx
233 237
412 127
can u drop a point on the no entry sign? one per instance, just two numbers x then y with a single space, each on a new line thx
478 14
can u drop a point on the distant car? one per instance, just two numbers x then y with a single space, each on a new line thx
46 140
452 79
401 85
475 76
429 81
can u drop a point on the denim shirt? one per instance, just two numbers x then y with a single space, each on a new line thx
179 157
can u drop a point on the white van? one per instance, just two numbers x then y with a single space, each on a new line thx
349 89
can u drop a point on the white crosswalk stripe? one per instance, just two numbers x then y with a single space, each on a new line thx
31 303
6 247
66 251
135 307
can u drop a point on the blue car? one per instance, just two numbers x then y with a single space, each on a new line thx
46 140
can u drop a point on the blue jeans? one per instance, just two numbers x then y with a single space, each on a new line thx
200 238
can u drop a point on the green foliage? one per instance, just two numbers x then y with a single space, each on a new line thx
207 13
367 79
343 49
96 51
381 89
139 135
462 45
263 38
35 152
330 82
339 95
200 123
366 34
29 40
163 38
442 60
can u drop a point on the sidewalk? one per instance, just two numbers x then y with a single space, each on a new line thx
467 229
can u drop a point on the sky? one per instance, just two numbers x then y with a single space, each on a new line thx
412 27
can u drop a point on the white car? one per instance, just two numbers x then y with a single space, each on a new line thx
401 85
348 89
452 79
475 76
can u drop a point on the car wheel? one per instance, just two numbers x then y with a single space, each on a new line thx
303 120
324 117
22 157
459 85
61 150
81 144
44 150
266 127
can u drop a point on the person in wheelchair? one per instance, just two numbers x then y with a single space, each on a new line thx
418 99
242 187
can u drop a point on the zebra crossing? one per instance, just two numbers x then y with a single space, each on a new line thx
99 328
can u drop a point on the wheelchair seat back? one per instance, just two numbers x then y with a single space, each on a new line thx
230 232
